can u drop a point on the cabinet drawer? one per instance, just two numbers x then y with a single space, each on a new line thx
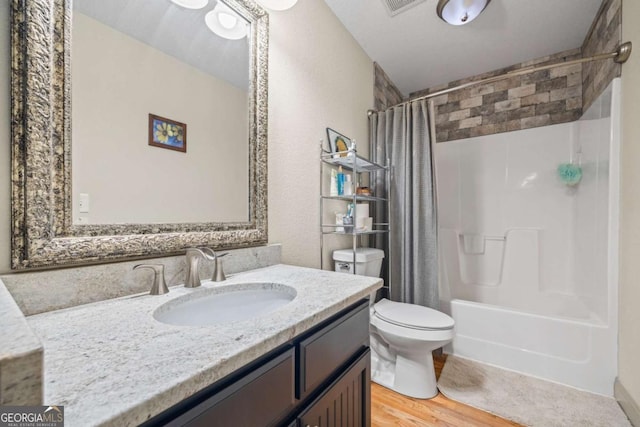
261 398
327 350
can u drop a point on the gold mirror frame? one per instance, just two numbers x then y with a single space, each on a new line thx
43 234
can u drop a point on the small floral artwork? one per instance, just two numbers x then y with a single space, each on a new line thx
167 133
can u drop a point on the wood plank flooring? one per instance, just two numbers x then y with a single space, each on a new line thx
390 409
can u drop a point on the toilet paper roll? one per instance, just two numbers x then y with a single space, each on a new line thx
362 210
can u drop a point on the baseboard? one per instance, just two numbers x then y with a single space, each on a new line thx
629 406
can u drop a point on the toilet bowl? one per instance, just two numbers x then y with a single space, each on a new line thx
403 336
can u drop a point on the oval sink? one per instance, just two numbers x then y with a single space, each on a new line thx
232 303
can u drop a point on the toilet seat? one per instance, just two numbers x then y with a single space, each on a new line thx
412 316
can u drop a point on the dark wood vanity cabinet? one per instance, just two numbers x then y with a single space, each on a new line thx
319 379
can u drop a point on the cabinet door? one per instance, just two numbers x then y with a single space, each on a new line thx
324 352
347 402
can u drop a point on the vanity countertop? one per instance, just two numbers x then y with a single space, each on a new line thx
112 363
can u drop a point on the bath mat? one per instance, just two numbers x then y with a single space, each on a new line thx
526 400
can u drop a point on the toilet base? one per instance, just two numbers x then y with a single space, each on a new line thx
412 377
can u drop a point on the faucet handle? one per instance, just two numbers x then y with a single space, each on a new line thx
208 253
196 251
159 286
218 272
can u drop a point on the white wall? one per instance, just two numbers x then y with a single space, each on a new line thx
318 77
629 352
5 140
116 82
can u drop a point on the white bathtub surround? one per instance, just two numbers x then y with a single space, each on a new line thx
528 264
111 363
42 291
526 400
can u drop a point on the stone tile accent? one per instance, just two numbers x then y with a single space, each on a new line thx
385 92
519 92
538 98
459 115
535 121
535 99
604 36
510 104
470 122
471 102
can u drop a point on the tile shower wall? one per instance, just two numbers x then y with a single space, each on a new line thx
605 35
537 99
385 91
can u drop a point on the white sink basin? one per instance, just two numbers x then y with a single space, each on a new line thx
233 303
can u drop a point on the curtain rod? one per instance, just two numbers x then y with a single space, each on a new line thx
620 56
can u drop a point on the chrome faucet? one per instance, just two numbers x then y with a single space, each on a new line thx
159 286
193 271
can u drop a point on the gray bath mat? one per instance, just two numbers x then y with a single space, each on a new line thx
526 400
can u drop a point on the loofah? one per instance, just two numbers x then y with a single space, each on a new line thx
569 173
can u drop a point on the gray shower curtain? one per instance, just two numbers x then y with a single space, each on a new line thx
401 134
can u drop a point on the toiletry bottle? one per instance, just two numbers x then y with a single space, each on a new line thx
340 181
333 189
348 188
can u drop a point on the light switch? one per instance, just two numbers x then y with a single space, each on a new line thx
83 205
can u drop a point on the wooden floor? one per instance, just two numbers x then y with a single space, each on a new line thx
389 408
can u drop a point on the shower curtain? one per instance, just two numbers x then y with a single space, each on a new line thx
401 135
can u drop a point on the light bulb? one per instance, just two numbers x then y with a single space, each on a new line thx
191 4
227 21
277 4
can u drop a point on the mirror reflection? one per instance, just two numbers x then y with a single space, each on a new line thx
160 92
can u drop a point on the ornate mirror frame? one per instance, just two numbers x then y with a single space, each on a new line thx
43 234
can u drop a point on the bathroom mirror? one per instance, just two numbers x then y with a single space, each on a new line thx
136 129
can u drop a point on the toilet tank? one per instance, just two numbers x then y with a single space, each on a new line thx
368 261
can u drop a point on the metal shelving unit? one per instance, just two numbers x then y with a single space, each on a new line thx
357 165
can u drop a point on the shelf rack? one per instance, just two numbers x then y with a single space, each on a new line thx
351 162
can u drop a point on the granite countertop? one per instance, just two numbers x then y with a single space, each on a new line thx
111 363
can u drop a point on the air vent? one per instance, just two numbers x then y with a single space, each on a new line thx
395 7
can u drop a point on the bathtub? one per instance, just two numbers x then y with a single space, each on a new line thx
570 352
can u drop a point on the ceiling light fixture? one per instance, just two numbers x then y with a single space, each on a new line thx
460 12
191 4
277 4
224 22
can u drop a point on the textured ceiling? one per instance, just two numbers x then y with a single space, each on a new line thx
418 50
176 31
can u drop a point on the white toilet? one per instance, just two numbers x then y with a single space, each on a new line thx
402 335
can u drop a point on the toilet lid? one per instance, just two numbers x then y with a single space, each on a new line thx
412 315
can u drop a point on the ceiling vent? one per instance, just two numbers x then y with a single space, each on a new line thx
395 7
